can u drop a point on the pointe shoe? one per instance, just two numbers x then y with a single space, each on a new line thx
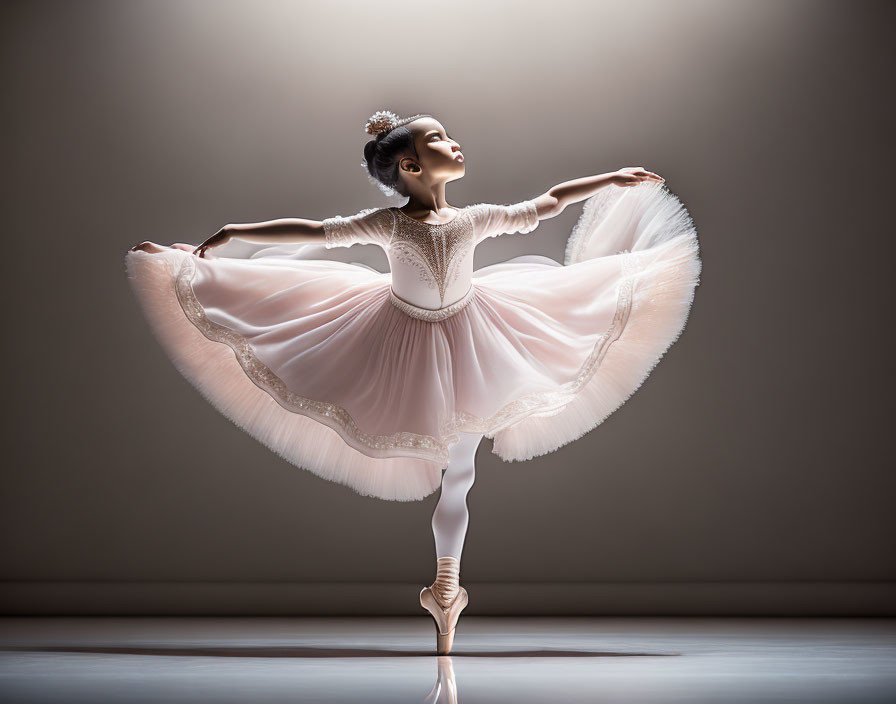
445 616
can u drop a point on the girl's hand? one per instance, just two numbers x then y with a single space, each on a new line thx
633 175
220 237
147 246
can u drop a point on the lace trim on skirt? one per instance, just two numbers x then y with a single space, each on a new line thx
550 403
329 414
539 403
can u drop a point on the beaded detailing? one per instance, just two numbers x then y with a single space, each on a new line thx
539 403
429 314
548 403
411 444
434 250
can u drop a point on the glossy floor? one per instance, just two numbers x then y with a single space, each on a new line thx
494 660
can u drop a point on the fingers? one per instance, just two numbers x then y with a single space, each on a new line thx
149 247
649 176
152 247
637 179
642 174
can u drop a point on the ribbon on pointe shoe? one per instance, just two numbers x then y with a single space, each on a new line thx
447 584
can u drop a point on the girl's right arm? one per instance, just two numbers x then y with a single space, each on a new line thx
280 231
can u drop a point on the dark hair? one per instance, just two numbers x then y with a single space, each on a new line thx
382 154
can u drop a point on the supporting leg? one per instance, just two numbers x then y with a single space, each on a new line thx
445 599
451 517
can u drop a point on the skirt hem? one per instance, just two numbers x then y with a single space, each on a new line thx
214 369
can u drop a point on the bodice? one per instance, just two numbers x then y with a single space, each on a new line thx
431 264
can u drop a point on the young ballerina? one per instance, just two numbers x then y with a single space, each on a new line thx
380 381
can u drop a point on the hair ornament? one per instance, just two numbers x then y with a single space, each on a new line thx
379 124
381 121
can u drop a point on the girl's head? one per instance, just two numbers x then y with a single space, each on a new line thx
410 153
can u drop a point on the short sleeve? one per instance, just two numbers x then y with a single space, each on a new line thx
370 226
490 220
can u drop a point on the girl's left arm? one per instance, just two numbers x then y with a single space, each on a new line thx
554 201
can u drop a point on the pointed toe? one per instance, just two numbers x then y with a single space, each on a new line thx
445 617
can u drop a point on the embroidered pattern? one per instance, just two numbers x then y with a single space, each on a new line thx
330 414
429 314
548 403
544 403
434 250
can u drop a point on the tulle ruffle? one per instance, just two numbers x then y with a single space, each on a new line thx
314 360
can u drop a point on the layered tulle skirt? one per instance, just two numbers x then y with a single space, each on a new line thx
312 358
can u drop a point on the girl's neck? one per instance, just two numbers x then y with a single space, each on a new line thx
431 200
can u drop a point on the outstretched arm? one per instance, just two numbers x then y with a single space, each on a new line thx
280 231
554 201
369 226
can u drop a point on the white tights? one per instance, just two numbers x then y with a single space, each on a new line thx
451 517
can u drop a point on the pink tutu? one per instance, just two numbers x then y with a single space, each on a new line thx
314 359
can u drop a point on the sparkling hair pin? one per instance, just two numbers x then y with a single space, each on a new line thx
381 121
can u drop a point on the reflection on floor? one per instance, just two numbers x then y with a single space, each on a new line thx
553 660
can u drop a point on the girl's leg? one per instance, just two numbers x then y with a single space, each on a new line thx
451 516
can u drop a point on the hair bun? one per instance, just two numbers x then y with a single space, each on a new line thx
381 121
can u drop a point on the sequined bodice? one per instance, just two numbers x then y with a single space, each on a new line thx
432 265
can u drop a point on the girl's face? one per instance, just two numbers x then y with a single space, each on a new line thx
437 153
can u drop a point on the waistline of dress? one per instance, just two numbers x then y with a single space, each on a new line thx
429 314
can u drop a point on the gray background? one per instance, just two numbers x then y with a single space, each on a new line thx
751 472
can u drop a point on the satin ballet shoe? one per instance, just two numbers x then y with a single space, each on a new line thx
445 616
